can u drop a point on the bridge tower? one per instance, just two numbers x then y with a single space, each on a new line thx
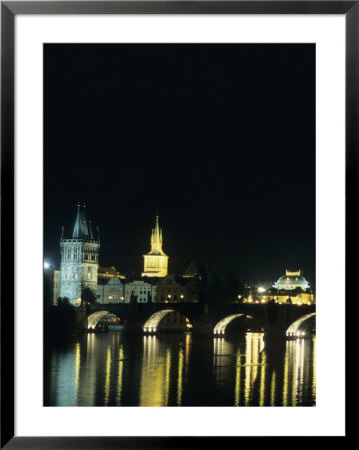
156 261
79 259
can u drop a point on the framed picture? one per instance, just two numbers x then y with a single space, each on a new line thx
176 181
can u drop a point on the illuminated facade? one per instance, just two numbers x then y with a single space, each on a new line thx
291 288
79 260
173 289
156 261
292 280
110 290
139 289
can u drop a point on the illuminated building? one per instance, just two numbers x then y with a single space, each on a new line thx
290 288
156 261
79 259
291 280
109 290
109 272
139 289
173 289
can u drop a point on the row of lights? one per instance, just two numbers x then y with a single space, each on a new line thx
296 334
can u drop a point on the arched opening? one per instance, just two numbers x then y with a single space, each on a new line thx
167 320
294 330
112 320
220 328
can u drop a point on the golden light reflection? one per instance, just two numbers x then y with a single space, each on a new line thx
247 380
272 390
107 376
167 377
253 344
77 371
120 374
238 379
263 377
155 374
285 380
180 377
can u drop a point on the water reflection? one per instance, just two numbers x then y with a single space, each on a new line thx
112 369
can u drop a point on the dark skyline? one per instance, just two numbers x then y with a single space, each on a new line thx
219 139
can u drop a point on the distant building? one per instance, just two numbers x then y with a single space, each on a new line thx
140 289
191 271
79 259
173 289
291 288
109 272
156 261
292 280
110 290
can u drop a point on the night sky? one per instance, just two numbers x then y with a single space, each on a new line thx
218 138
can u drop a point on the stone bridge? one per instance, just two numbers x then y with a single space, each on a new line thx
272 318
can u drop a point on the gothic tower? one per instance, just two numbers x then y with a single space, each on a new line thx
156 261
79 259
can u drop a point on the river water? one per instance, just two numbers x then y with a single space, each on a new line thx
114 369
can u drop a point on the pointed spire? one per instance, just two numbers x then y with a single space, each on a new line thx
62 232
157 230
81 228
77 227
156 238
90 229
98 232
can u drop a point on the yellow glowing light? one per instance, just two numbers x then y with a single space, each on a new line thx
249 300
155 319
261 289
294 328
182 296
222 324
94 318
263 300
257 301
239 296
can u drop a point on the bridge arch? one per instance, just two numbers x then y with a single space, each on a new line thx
294 329
94 318
151 324
220 327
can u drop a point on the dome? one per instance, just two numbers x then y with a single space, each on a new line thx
292 280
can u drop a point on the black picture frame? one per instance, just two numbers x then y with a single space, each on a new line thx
9 10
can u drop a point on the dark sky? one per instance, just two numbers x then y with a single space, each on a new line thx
218 138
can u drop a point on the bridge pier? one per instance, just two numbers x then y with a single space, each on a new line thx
202 327
81 320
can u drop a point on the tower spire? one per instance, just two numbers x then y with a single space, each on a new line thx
81 228
156 261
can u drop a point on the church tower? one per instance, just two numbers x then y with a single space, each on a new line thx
79 259
156 261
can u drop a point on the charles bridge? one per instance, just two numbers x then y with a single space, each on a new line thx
272 318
